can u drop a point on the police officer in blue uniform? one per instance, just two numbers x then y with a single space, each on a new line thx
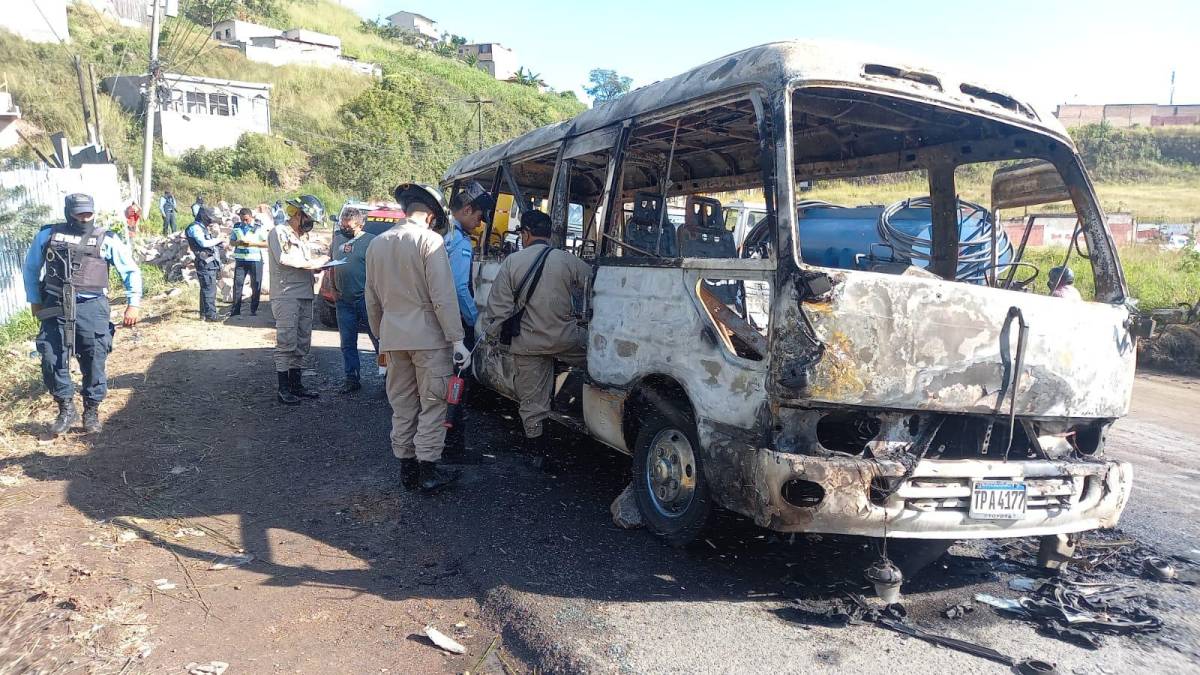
66 284
208 261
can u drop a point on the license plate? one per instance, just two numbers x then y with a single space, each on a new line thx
997 500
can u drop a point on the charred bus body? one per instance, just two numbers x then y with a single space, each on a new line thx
906 384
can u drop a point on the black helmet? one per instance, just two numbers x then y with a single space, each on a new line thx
1061 276
310 206
76 204
428 195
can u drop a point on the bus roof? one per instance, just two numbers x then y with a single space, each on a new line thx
774 65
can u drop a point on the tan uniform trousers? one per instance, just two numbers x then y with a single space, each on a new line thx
533 380
416 388
293 331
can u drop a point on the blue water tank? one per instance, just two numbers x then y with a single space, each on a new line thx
848 238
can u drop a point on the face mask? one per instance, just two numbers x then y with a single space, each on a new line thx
306 225
349 232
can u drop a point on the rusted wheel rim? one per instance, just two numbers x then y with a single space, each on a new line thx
671 472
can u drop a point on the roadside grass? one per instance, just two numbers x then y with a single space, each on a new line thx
1174 200
1157 278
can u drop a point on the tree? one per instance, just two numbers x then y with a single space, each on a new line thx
607 84
527 78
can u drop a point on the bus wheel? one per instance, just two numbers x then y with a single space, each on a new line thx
669 486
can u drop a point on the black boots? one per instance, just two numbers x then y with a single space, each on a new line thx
410 476
351 384
297 387
67 415
91 417
434 478
285 389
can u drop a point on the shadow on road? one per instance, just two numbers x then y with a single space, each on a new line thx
202 439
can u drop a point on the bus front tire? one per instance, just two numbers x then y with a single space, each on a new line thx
668 477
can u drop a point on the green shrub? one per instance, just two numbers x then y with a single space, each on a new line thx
208 164
268 158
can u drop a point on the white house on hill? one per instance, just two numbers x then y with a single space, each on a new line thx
198 111
415 23
293 46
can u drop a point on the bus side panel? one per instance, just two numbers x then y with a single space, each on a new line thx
647 322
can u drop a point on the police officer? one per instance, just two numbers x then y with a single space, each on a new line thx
66 282
208 261
412 308
543 303
467 209
294 264
167 207
249 239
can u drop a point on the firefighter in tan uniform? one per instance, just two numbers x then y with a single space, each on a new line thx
294 266
413 309
544 304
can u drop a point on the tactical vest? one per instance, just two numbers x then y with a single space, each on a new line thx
88 269
204 255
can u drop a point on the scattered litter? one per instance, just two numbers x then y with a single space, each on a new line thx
210 668
1024 584
231 562
164 584
957 611
1157 568
1005 604
184 532
461 625
127 536
7 480
444 641
894 617
175 471
1079 612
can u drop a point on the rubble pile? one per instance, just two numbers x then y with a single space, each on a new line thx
172 255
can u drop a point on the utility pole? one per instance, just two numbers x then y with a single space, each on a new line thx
479 116
95 106
83 103
1172 100
151 105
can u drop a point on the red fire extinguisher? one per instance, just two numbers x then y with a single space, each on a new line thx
454 390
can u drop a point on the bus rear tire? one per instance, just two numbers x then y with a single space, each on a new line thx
668 478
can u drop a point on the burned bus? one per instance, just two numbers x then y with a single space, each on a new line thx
878 370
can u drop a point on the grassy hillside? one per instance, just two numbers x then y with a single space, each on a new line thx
320 112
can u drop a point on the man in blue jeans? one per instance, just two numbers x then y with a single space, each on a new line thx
349 284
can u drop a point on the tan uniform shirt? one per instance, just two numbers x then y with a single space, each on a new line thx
294 264
411 303
550 324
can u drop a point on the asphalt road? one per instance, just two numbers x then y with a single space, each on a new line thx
348 567
581 594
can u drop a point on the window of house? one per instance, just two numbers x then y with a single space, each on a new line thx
197 103
485 49
218 104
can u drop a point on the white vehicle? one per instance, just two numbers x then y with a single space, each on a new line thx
866 395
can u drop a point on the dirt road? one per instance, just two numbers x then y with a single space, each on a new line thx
200 465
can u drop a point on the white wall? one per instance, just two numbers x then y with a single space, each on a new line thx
308 55
207 131
242 31
23 18
50 186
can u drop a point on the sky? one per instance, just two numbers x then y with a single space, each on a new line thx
1045 51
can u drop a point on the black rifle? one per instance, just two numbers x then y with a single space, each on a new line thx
66 308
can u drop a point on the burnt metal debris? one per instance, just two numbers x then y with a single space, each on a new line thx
1080 612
